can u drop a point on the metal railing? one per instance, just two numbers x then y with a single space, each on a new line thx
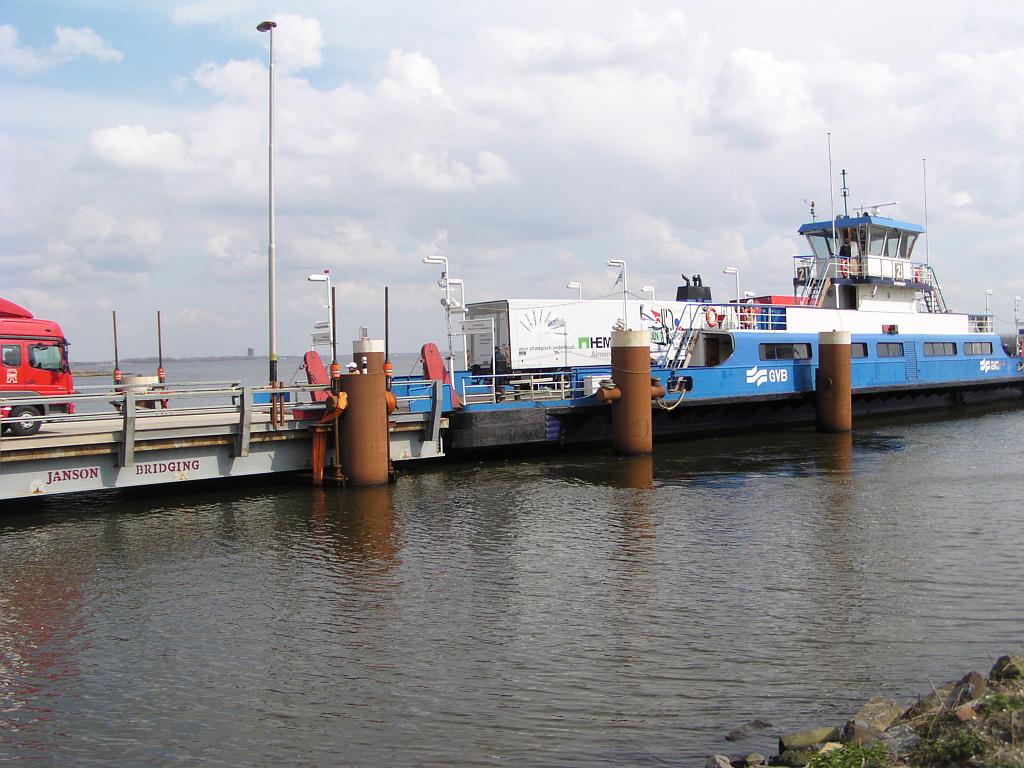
815 281
501 388
125 411
980 324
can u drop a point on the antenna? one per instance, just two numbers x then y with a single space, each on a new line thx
831 192
924 175
810 203
846 194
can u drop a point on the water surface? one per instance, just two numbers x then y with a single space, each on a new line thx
575 610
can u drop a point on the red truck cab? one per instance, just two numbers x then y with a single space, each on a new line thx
33 363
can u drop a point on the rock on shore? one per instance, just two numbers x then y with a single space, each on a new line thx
975 721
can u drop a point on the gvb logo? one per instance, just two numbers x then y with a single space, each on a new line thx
991 365
758 376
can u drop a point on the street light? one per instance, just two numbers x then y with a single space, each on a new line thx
648 289
326 278
268 26
736 273
622 265
579 288
447 302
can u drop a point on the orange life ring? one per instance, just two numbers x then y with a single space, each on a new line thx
844 267
747 316
918 274
711 316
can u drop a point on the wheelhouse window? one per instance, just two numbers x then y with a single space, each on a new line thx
784 351
821 244
889 349
939 348
977 347
858 349
907 245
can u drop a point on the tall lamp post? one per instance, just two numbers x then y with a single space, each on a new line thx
268 26
326 278
622 265
578 286
736 273
447 302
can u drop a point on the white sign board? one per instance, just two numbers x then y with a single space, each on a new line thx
474 327
321 339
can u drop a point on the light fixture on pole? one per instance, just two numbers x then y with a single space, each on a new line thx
988 293
268 26
447 302
622 276
648 289
326 278
736 273
578 286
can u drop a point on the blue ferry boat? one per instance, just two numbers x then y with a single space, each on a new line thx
742 363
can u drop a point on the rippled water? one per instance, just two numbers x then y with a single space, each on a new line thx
576 610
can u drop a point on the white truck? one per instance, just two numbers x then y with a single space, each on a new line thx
513 335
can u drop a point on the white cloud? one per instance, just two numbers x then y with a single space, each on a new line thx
134 147
71 44
298 42
759 99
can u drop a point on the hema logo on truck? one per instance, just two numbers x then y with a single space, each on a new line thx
594 342
758 376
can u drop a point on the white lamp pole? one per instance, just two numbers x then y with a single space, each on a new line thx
579 288
622 265
447 301
736 273
268 26
460 309
988 293
326 278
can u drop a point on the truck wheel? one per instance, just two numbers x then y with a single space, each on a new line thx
24 428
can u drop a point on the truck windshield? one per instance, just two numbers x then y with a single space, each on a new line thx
45 356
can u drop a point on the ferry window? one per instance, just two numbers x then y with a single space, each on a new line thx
858 349
821 244
977 347
938 348
784 351
892 243
907 244
877 240
889 349
11 355
45 356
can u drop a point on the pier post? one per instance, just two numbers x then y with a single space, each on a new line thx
832 383
631 411
364 424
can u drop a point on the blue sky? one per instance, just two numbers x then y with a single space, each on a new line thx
527 142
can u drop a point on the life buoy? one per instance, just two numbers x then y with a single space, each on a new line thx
747 316
711 317
917 274
844 267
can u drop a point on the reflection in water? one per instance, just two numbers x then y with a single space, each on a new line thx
574 610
